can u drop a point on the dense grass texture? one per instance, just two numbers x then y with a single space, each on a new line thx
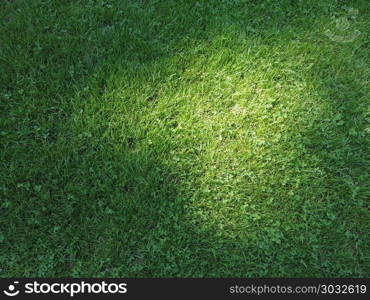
165 138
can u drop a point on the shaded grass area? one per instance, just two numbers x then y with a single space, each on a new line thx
183 138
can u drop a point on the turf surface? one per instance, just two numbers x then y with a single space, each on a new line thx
184 138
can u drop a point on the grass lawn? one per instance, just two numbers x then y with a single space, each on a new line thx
168 138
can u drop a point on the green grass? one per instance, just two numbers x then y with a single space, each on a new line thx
184 138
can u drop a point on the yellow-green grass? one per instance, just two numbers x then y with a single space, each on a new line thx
184 138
